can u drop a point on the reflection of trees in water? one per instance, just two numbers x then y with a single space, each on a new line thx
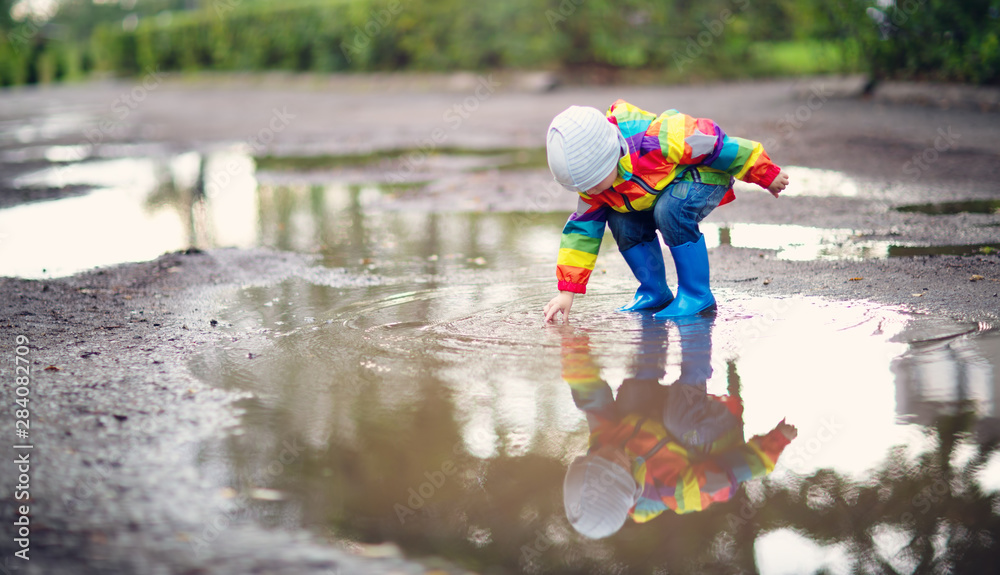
396 468
944 520
507 512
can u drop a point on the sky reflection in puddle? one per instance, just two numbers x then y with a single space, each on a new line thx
439 417
143 207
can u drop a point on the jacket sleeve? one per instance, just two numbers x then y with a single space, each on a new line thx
581 240
752 460
686 140
591 394
717 478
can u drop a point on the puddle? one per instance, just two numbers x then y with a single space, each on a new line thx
139 209
142 207
414 399
950 208
798 243
811 182
445 158
433 411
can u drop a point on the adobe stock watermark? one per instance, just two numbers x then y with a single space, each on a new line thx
798 453
921 162
900 13
223 7
258 143
86 488
698 44
925 498
454 117
794 454
290 451
418 496
436 478
21 36
543 541
364 35
120 109
566 9
819 94
124 105
541 203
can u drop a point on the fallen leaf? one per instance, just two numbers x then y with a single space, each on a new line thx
976 278
857 279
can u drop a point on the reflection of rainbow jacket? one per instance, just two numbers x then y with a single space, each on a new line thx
672 476
661 149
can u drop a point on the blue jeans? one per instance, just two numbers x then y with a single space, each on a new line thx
676 213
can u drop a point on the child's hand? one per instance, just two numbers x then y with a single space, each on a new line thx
779 184
561 302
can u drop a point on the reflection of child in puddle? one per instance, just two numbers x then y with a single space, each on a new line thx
658 447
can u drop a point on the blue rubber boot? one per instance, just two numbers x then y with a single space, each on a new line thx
646 262
694 295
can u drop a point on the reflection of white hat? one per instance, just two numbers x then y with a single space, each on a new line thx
583 147
597 495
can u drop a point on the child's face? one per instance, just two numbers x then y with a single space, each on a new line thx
605 183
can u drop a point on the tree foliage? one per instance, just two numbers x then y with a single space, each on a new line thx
678 39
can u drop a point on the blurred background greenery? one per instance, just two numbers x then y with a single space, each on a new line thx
661 40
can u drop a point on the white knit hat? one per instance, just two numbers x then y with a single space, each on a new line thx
583 147
597 496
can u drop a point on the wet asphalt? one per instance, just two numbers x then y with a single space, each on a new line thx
116 415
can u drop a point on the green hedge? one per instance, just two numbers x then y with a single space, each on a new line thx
363 35
937 40
676 39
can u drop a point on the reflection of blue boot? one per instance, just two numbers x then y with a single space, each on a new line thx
646 262
693 292
696 348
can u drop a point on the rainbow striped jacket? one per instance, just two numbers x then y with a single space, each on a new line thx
661 149
672 478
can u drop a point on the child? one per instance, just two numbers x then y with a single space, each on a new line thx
657 447
638 172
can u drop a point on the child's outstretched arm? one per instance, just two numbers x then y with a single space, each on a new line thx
580 371
581 240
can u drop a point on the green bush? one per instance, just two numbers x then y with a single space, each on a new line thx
674 39
939 40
